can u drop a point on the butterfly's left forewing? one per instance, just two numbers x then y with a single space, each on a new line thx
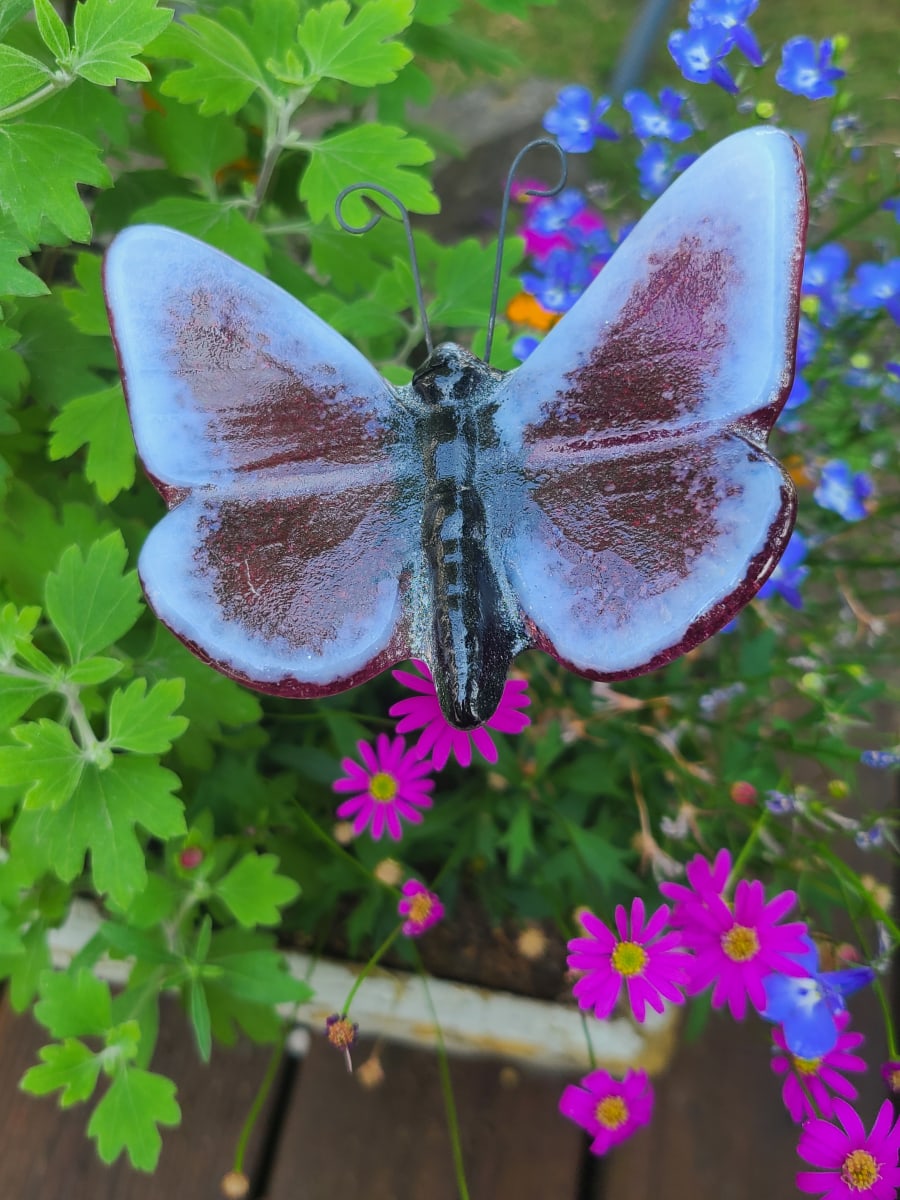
287 557
651 512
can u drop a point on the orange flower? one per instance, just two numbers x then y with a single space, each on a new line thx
524 309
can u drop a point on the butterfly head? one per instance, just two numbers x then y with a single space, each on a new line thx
451 374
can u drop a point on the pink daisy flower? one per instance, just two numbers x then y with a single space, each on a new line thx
705 880
736 947
392 785
854 1165
422 908
438 737
811 1081
611 1110
645 959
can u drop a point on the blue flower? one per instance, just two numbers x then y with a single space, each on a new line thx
730 15
843 492
787 577
806 1006
564 277
698 54
780 804
554 214
893 206
823 276
878 287
523 346
575 121
806 71
871 838
808 340
656 170
882 760
651 120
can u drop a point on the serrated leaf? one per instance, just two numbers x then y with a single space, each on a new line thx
91 599
254 892
142 721
194 146
223 74
463 282
74 1004
381 154
48 761
85 304
128 1115
16 628
253 970
16 280
24 968
40 169
92 671
100 422
108 35
52 28
358 51
221 225
20 75
70 1067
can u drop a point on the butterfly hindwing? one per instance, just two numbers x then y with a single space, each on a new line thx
639 424
286 556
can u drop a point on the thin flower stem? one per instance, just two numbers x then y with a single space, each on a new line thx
338 850
370 967
262 1095
446 1088
745 853
592 1058
854 219
53 85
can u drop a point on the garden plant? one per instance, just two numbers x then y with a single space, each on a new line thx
684 836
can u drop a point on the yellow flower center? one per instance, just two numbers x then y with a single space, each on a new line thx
612 1112
740 943
629 958
860 1170
420 908
382 787
806 1066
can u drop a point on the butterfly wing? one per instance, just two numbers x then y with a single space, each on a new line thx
286 557
650 511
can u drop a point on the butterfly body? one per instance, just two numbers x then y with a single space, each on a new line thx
610 501
475 633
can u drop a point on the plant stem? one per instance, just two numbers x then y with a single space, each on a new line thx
333 846
369 967
746 851
56 84
854 219
262 1095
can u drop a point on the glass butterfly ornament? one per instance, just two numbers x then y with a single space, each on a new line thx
609 501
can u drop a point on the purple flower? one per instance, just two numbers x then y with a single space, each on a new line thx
882 760
806 71
812 1082
575 121
393 784
730 15
871 838
609 1109
421 908
854 1165
644 958
438 737
706 882
780 804
698 53
807 1008
656 170
563 277
787 577
843 492
652 120
878 286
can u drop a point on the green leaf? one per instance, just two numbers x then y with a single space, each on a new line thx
16 697
71 1067
20 75
221 225
380 153
16 280
16 628
200 1019
91 599
128 1115
74 1004
108 35
463 282
193 146
252 970
24 968
52 28
10 12
519 840
92 671
48 761
223 74
40 169
100 422
254 892
359 51
85 304
143 722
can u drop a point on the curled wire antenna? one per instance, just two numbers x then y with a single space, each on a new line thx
504 211
371 223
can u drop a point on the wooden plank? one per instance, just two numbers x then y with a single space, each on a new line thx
391 1142
47 1155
